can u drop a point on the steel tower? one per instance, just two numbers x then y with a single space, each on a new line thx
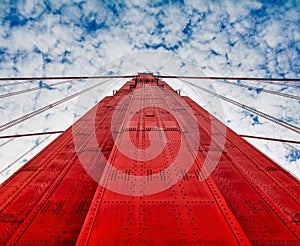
138 169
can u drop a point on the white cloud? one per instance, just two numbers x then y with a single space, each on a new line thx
248 39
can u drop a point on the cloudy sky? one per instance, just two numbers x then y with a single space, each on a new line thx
207 38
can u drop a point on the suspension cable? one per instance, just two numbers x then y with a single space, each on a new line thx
293 147
264 90
30 134
16 83
281 84
36 112
262 114
227 78
70 77
20 157
32 89
271 139
160 76
1 145
57 132
260 80
99 77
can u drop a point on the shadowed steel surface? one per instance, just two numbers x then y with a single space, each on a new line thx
248 199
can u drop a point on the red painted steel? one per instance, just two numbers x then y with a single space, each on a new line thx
248 199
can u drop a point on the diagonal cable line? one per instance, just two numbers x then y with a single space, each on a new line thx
264 90
219 78
1 145
36 112
262 114
69 77
32 89
30 134
293 147
228 78
16 83
259 80
158 76
281 84
20 157
279 81
271 139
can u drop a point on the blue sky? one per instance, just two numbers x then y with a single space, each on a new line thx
216 38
